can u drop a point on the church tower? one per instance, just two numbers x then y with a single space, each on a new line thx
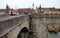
39 10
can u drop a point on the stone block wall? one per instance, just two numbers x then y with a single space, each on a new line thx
38 28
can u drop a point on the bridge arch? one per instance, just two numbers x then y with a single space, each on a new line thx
23 33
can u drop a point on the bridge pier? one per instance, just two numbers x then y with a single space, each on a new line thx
38 28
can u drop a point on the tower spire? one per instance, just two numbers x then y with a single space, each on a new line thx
33 5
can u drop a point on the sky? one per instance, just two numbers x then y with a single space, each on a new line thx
28 3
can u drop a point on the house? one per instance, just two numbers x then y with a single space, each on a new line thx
48 10
2 11
26 10
16 11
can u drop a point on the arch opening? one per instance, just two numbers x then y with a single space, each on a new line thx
24 33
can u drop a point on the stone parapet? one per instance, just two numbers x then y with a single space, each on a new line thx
9 23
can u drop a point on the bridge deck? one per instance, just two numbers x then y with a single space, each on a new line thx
8 23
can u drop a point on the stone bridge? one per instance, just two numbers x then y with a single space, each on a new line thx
26 26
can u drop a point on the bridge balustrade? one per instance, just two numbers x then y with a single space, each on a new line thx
7 25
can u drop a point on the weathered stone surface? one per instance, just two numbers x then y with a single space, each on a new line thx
9 23
14 33
39 28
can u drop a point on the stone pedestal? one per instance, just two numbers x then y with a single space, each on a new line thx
38 28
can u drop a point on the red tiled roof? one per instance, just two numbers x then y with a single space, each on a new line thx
14 11
51 9
2 10
28 10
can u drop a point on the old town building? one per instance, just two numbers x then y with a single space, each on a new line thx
52 10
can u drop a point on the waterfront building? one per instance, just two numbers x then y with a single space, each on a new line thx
52 10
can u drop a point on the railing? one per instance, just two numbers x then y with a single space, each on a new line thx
8 24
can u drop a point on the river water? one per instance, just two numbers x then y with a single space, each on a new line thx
54 35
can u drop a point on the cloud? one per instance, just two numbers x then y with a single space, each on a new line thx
28 3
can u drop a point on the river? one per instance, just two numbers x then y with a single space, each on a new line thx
54 35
